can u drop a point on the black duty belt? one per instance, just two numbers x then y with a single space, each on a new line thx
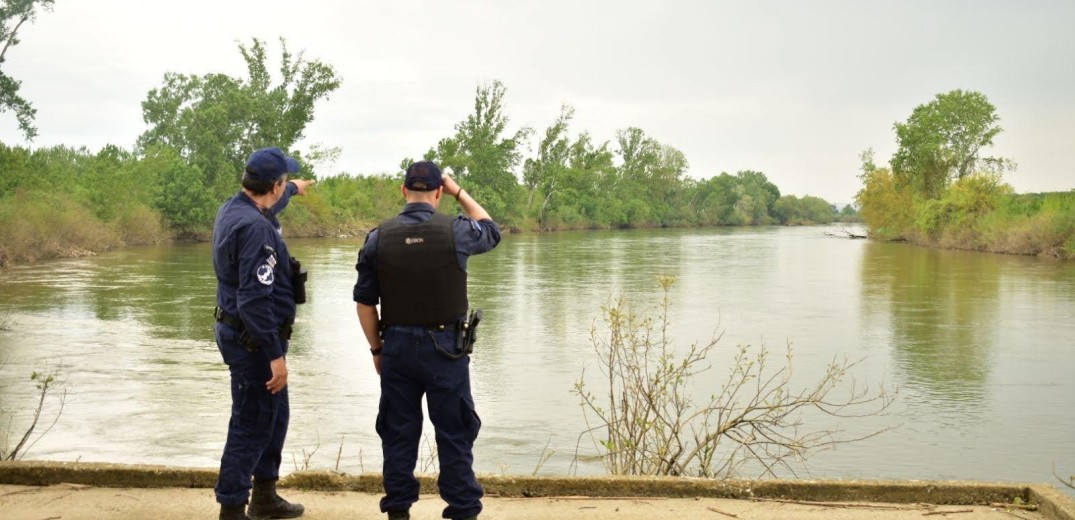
234 322
466 334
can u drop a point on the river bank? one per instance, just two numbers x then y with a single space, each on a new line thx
90 490
50 248
976 213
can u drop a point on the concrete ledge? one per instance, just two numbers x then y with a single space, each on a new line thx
104 475
1053 504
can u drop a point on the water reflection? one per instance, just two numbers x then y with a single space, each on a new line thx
941 308
168 289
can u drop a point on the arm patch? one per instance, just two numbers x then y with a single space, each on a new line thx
265 274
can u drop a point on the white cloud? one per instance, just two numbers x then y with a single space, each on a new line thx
793 89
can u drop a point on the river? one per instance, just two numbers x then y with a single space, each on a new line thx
979 347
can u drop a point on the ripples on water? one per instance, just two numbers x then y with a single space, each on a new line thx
978 345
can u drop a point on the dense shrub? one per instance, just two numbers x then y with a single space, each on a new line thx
44 225
977 212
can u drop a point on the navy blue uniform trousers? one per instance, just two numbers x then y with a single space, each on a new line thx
258 422
411 367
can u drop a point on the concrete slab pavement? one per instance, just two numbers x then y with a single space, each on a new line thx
67 491
81 502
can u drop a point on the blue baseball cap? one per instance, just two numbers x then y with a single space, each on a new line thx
268 164
423 176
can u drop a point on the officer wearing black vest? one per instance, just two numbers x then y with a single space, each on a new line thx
257 284
415 266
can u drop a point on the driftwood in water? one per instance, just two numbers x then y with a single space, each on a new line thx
846 232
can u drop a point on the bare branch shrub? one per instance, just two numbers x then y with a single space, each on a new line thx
307 455
6 324
339 454
546 454
649 420
46 387
5 321
428 462
1070 482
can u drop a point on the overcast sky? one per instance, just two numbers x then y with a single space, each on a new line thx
793 89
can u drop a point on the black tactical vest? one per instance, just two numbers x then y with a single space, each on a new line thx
419 275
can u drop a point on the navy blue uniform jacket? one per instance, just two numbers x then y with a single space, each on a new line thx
253 269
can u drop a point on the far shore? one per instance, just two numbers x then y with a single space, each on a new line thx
7 258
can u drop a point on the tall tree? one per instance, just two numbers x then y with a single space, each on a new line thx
584 187
670 184
941 140
546 172
213 121
482 157
13 14
638 154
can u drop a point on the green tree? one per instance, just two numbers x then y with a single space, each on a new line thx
181 194
651 177
215 120
283 111
637 151
585 182
13 14
756 197
716 201
888 207
789 210
546 172
866 162
669 182
13 171
482 158
107 185
941 141
818 210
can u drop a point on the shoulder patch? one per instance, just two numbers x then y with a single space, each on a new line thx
265 275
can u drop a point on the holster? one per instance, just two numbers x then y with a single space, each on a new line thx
468 332
298 280
466 335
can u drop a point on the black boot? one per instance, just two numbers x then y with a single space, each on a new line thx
399 515
233 512
266 504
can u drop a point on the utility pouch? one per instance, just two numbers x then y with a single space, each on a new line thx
298 280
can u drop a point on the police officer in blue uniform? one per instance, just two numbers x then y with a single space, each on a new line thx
415 266
257 283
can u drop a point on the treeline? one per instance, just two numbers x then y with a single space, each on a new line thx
573 181
63 201
940 191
